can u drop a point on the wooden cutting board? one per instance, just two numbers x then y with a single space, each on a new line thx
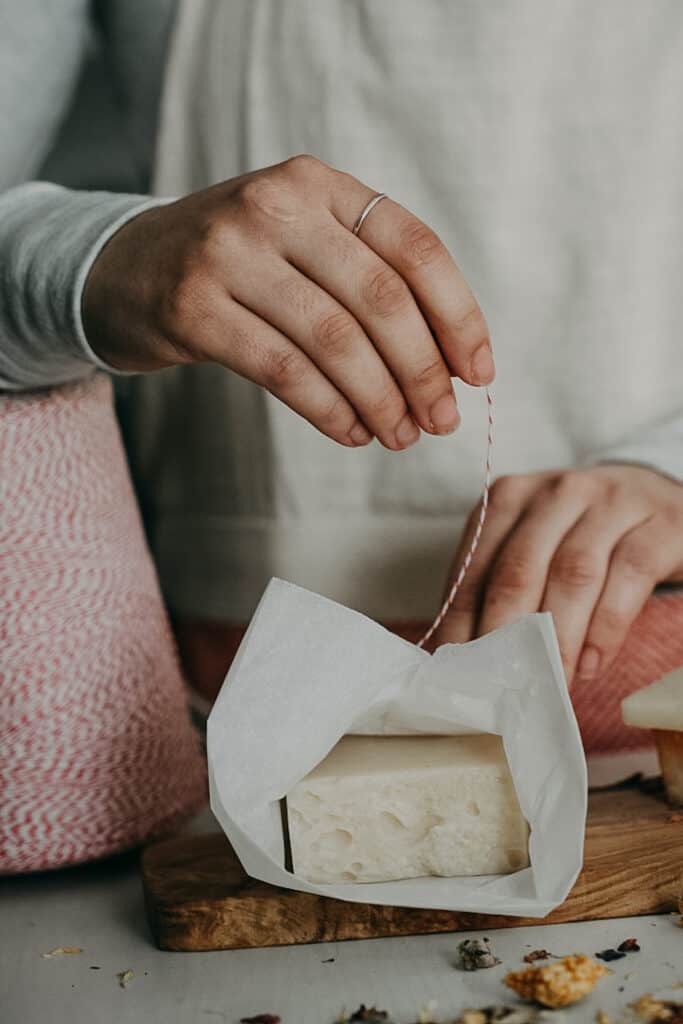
198 897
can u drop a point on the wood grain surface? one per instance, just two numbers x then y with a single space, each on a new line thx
199 898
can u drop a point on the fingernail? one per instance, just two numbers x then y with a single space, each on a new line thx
407 432
589 663
360 434
444 416
482 369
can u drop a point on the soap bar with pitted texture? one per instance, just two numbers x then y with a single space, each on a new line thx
380 808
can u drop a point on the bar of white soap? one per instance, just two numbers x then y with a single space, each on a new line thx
659 706
379 808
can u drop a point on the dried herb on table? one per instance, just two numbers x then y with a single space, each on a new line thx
506 1015
610 954
629 946
61 951
558 984
125 977
476 954
369 1015
261 1018
537 954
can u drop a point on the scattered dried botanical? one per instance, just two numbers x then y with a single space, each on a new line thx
476 954
537 954
61 951
558 984
610 954
125 977
507 1015
369 1015
602 1018
629 946
657 1011
261 1018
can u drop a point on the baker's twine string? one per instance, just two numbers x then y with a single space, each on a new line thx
445 608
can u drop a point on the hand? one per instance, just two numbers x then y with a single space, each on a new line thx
263 274
587 545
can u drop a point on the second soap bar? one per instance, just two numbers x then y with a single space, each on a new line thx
380 808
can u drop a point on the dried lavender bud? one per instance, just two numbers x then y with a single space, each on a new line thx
610 954
475 954
261 1018
629 946
537 954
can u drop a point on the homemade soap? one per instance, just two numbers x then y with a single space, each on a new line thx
379 808
660 707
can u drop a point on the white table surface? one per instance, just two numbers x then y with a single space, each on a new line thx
100 909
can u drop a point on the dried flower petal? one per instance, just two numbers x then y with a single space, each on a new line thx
610 954
558 984
261 1018
370 1015
537 954
602 1018
476 954
629 946
657 1011
61 951
125 977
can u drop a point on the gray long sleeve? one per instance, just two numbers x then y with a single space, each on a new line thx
48 241
50 235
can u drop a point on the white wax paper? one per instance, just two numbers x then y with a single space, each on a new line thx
309 670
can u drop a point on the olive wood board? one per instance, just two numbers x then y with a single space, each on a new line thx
198 896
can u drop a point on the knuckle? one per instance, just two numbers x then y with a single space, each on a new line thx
607 622
388 406
283 371
472 320
336 416
573 567
305 165
336 334
420 247
571 484
431 374
513 573
267 197
635 558
506 494
384 292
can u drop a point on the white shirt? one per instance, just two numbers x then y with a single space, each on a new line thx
544 144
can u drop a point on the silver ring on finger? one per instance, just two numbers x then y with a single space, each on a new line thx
368 209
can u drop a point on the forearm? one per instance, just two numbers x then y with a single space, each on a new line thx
49 239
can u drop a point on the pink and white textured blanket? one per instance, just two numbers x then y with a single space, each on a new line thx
97 751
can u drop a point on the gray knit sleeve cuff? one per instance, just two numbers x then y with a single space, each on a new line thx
49 239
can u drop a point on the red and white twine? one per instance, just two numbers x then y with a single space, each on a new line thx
483 508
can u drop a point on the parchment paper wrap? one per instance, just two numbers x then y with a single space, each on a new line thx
309 670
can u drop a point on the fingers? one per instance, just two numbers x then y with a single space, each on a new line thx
639 561
507 502
518 578
420 258
374 302
577 573
335 341
262 354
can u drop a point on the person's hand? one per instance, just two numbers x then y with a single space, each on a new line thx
587 545
359 335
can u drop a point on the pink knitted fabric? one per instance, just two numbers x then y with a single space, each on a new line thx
97 752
